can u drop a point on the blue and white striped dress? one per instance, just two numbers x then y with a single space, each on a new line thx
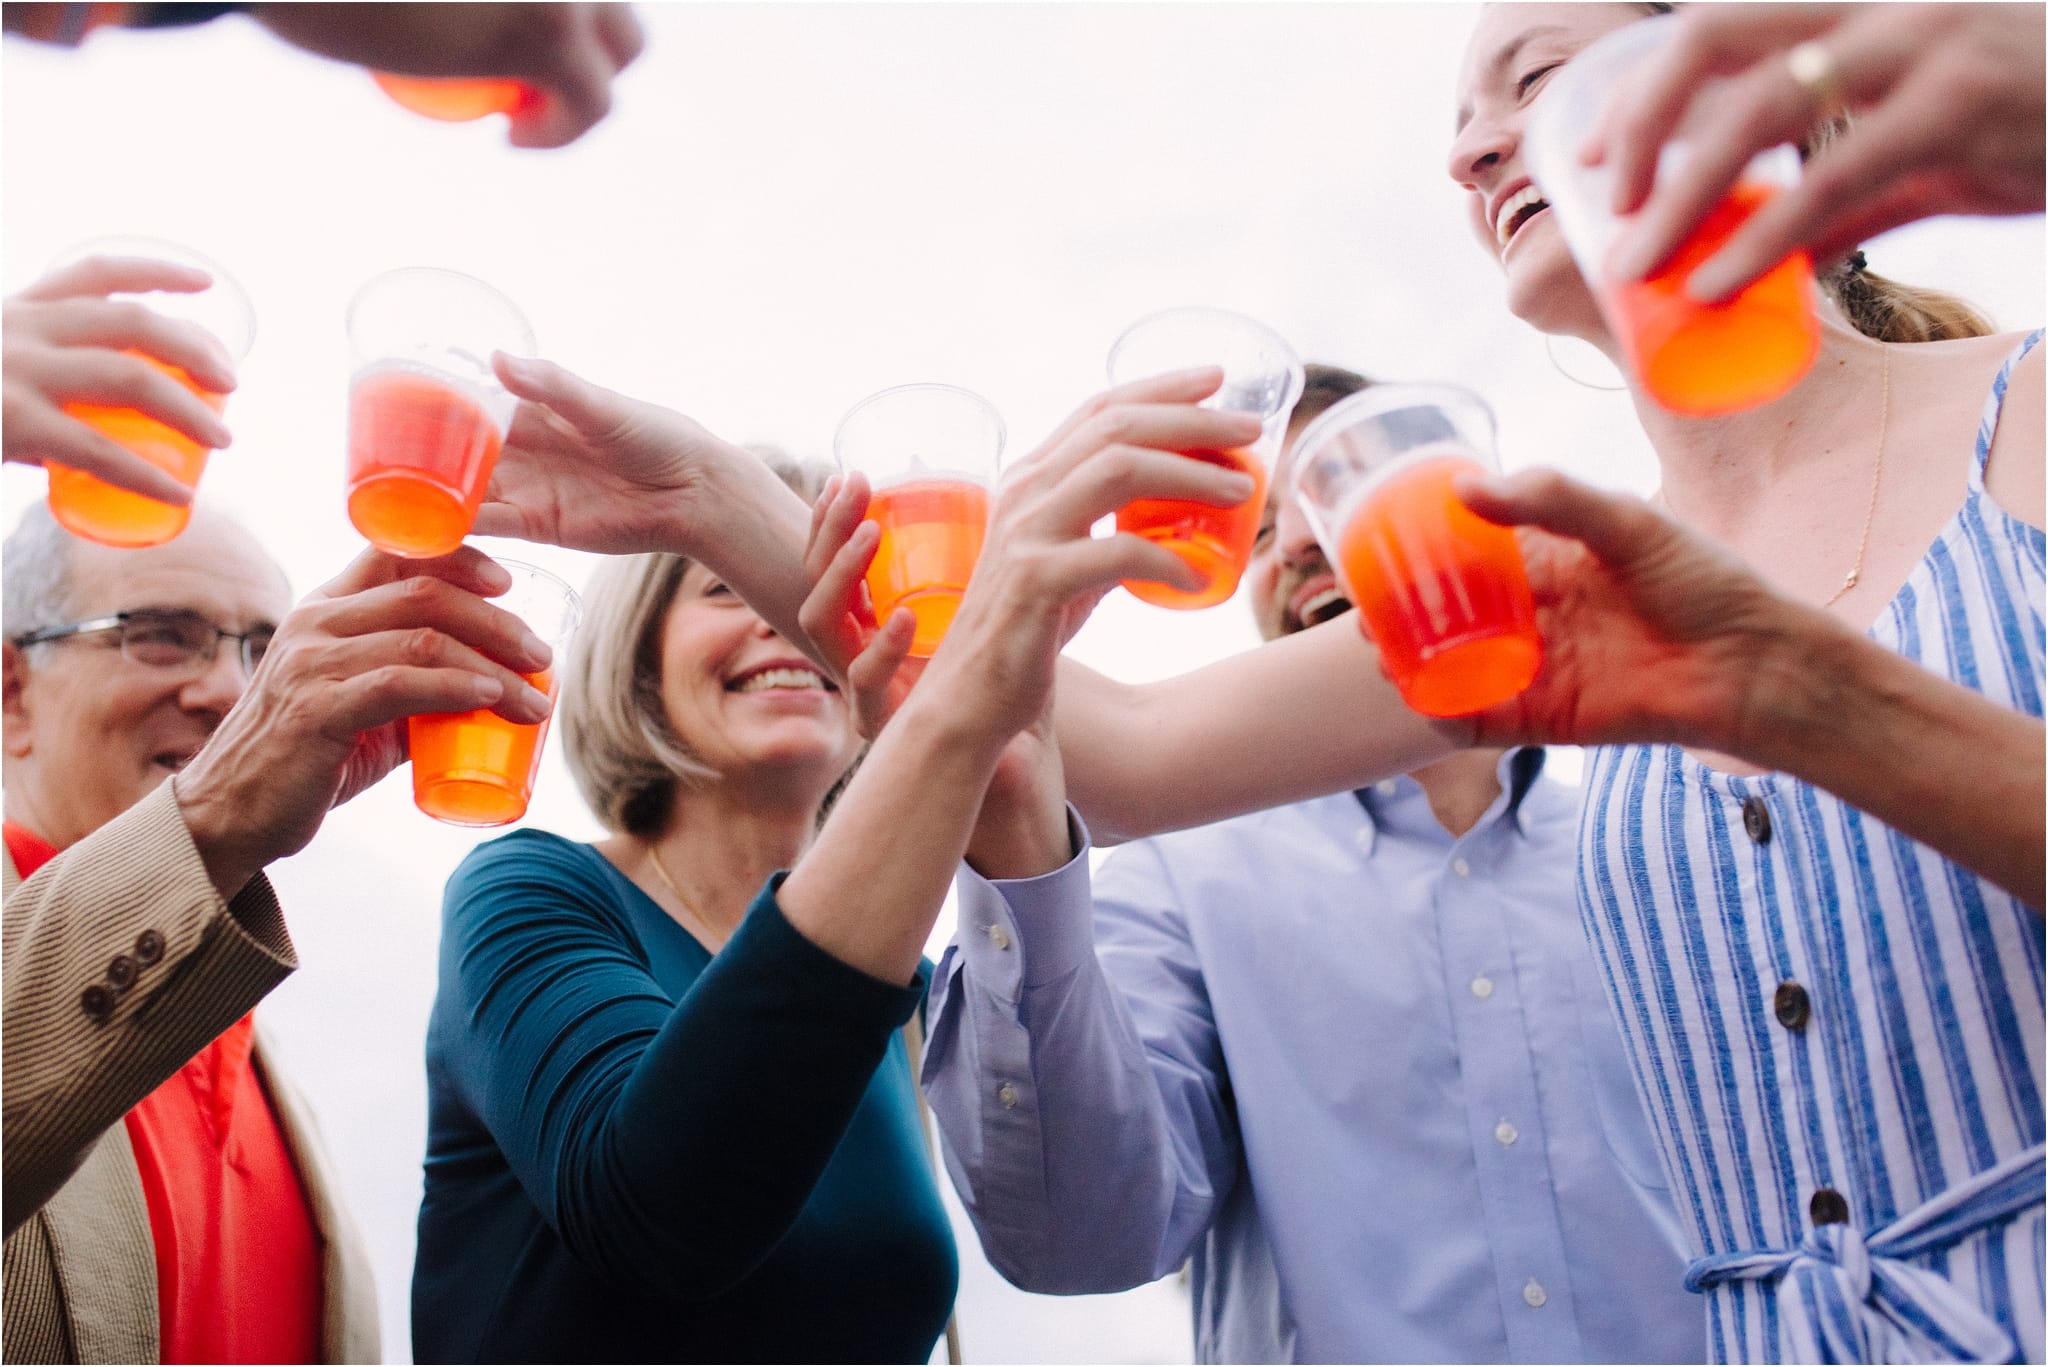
1838 1034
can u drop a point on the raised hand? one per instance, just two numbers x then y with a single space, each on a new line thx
1949 108
65 341
1650 633
324 716
567 54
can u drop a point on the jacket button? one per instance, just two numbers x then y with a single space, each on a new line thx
1756 819
97 1001
149 948
122 972
1793 1007
1828 1207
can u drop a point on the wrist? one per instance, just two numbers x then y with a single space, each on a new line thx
220 832
1787 684
1022 830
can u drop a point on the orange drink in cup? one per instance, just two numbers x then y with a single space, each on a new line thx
1694 358
1261 376
426 416
1441 591
930 452
454 99
88 506
476 768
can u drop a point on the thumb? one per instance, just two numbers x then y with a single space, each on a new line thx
1617 529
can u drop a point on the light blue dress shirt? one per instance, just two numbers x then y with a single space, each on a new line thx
1361 1073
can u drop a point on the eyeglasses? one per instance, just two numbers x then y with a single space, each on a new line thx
163 640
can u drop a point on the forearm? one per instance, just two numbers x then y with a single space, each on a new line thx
749 529
1296 718
1059 1136
868 891
1936 761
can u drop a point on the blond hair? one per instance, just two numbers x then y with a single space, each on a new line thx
616 738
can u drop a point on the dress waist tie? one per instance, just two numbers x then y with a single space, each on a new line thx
1875 1306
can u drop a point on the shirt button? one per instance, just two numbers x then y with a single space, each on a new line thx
1386 787
1505 1133
1534 1294
121 972
1007 1095
999 937
1482 988
1828 1207
1792 1006
1460 867
1756 819
149 948
97 1002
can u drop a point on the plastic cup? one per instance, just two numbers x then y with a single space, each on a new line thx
931 453
454 99
426 415
1698 359
1441 591
1261 376
476 768
88 506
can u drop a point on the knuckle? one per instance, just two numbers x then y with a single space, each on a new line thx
421 646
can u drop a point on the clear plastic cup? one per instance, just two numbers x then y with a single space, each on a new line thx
1694 358
426 414
476 768
1441 591
931 453
1261 376
90 507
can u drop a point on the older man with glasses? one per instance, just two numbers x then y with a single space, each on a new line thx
170 729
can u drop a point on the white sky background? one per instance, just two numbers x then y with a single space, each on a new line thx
792 206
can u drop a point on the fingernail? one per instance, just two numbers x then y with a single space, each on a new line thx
533 701
494 576
1240 487
535 648
218 436
1707 285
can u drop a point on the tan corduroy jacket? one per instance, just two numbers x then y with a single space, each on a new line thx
121 962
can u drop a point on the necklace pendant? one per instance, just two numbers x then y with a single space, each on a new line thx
1849 580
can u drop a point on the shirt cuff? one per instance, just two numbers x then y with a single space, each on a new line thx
1016 933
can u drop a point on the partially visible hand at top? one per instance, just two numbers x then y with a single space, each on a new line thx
1948 102
569 54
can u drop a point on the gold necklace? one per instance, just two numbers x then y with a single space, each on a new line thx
1884 419
717 938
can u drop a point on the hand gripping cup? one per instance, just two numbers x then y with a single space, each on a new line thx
1694 358
426 416
931 453
1439 589
1261 376
90 507
476 768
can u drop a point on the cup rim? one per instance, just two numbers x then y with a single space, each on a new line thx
1297 374
443 273
952 391
572 617
1376 400
233 292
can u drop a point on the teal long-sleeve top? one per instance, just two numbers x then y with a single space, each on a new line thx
637 1152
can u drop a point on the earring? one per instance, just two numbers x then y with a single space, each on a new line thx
1550 350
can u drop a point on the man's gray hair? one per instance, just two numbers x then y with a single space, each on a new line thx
35 574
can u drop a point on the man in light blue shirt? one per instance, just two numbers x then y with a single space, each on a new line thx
1351 1057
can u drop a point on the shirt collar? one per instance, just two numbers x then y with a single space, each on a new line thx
1518 770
